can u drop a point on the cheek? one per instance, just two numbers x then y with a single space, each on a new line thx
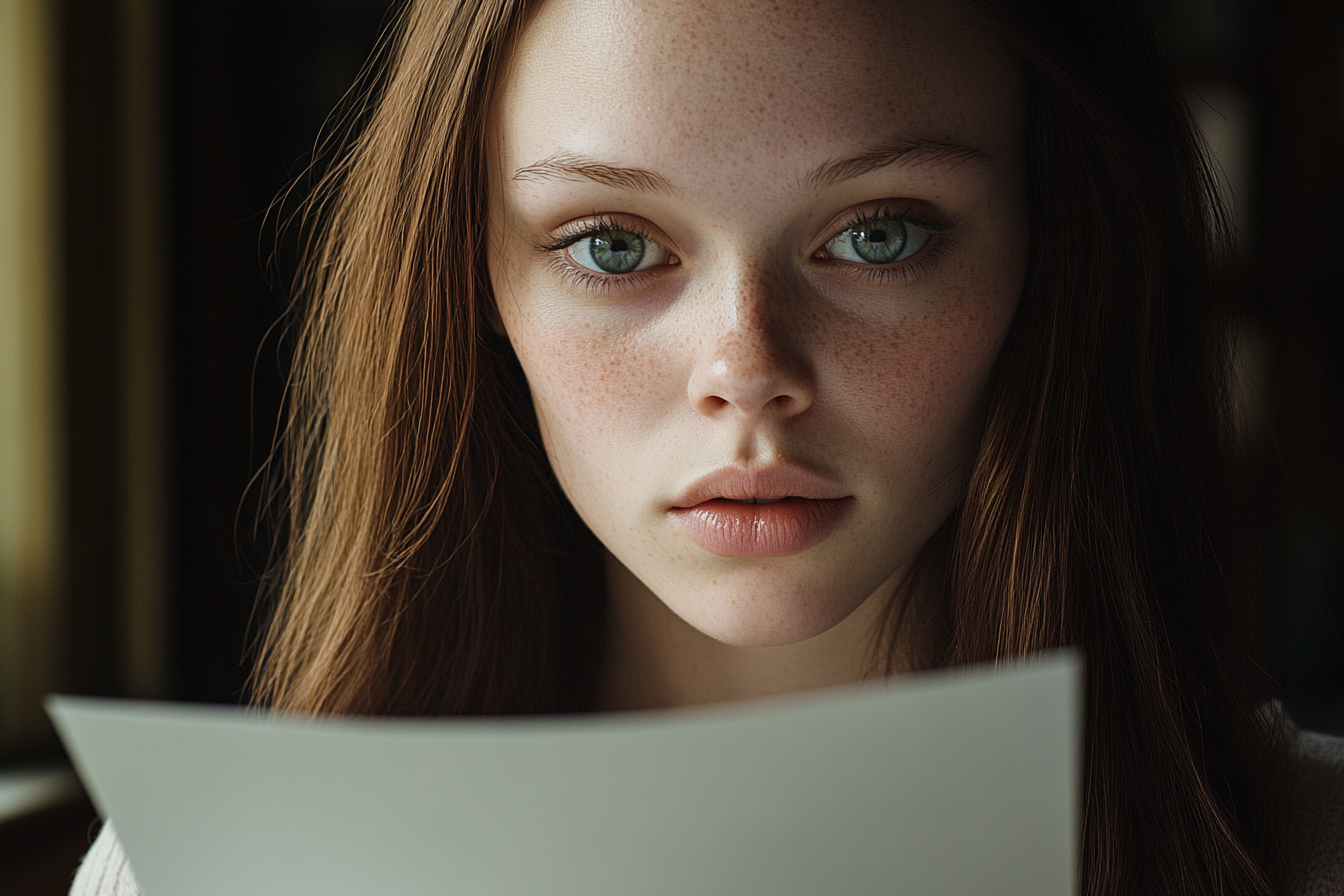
592 391
919 388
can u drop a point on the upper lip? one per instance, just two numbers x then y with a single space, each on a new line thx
739 484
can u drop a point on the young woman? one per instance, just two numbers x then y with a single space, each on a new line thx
666 353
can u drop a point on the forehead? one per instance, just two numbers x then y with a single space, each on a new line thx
691 88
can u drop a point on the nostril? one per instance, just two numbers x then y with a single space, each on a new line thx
752 371
714 402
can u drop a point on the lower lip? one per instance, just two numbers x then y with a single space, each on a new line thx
730 529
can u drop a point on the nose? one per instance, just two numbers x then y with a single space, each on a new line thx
753 358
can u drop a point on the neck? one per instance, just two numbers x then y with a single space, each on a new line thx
655 659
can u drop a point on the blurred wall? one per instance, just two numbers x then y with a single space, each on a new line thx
31 552
1267 83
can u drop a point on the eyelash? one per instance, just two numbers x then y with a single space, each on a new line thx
592 280
909 269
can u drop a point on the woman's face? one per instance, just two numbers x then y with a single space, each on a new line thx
753 251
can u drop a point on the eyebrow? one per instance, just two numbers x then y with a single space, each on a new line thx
911 151
566 166
915 151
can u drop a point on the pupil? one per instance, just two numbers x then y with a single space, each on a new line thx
617 251
878 240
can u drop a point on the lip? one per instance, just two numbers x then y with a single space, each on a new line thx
709 514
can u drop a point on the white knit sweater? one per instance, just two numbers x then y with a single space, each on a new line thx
1315 841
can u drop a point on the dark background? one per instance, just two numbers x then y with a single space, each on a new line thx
246 88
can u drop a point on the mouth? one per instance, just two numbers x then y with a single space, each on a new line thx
774 512
771 485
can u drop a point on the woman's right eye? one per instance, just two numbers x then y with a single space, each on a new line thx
616 251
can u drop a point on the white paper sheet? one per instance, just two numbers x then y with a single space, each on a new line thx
958 782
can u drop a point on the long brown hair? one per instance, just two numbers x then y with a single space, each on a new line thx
425 570
434 567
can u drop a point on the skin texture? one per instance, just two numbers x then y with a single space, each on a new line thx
749 343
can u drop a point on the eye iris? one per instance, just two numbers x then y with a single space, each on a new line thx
880 241
616 251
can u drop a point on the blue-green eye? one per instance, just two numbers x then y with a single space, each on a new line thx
615 251
881 239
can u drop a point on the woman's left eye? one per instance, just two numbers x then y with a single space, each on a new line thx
879 239
616 251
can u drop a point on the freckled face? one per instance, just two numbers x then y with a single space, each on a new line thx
751 251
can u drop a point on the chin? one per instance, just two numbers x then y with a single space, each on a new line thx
757 617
